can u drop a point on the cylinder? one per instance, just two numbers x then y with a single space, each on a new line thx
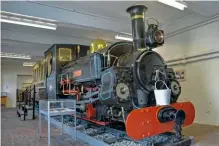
138 25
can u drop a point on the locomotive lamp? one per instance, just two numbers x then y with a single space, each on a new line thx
154 36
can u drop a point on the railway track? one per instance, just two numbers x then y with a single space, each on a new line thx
96 135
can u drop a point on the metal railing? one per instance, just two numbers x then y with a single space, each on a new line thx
25 99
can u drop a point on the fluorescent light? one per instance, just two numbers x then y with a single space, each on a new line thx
120 37
29 63
28 24
3 13
26 20
173 3
14 55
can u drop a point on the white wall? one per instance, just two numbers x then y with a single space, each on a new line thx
9 79
202 80
24 80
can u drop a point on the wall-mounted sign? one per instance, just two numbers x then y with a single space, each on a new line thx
180 75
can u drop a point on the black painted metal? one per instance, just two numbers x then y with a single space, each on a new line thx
166 114
111 79
34 100
154 36
57 65
29 103
138 25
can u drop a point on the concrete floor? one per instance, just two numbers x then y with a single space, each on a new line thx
24 133
205 135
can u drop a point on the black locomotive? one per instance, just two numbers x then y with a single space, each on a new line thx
121 77
113 81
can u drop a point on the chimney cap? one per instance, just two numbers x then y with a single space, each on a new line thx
136 9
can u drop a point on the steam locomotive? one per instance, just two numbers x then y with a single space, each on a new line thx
115 84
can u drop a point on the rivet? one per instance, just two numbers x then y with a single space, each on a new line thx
148 121
148 133
143 135
142 123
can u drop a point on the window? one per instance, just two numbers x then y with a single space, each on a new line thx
65 54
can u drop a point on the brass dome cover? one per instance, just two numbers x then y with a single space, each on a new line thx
96 45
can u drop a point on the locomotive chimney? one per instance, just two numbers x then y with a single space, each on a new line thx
138 25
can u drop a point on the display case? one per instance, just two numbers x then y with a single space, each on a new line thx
55 107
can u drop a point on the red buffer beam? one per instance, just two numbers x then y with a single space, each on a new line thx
142 123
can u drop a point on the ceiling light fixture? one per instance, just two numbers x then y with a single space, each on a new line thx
173 3
14 55
126 33
25 20
28 24
29 63
123 37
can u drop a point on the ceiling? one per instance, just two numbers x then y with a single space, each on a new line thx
80 22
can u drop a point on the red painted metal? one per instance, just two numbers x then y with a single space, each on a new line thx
94 121
72 92
142 123
62 82
90 111
93 89
68 81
